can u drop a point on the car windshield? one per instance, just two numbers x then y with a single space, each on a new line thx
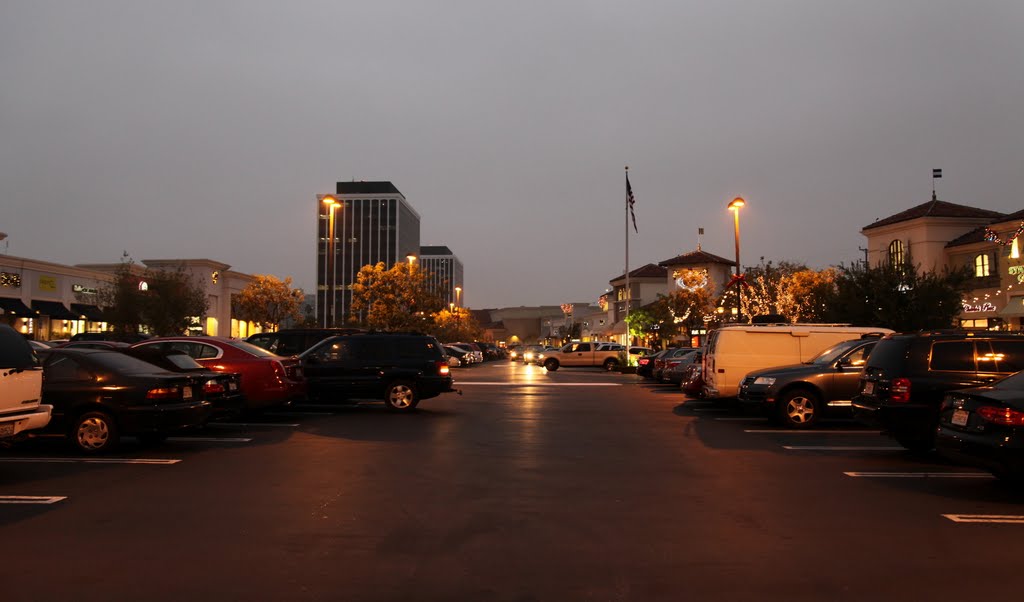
832 353
122 364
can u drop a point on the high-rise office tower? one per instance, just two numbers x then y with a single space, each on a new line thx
445 274
371 222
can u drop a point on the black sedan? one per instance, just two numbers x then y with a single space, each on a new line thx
98 395
222 389
984 427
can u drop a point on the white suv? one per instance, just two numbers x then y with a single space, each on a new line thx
21 386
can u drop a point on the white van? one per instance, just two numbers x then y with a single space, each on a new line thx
21 383
736 350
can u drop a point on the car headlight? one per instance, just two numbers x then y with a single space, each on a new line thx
766 381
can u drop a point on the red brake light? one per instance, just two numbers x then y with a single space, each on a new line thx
212 386
279 371
163 393
1003 416
442 368
900 390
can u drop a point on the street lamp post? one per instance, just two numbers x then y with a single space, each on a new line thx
735 206
331 264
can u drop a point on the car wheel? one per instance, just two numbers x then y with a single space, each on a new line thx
401 395
551 365
799 408
94 432
610 364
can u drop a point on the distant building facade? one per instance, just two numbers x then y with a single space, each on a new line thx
372 223
444 274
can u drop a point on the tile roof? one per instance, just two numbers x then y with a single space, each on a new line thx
935 208
648 271
697 257
975 235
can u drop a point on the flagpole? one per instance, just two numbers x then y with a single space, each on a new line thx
628 295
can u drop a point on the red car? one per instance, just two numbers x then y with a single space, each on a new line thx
267 379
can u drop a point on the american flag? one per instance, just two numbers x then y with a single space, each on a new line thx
631 201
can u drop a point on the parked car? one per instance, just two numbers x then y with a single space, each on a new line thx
267 379
798 396
21 383
645 363
98 395
293 341
466 357
514 353
86 344
676 367
661 362
398 369
478 355
908 375
222 389
109 336
984 427
692 384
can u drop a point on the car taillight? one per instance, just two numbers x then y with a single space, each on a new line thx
279 372
442 368
899 391
163 393
643 361
212 386
1003 416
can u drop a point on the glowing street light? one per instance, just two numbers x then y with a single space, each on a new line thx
458 293
735 206
330 265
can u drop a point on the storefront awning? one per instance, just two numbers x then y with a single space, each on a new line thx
15 307
1014 308
91 312
54 309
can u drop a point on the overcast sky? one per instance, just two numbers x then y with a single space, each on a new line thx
205 129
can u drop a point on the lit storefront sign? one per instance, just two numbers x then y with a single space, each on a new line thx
10 279
1018 271
47 283
82 289
978 307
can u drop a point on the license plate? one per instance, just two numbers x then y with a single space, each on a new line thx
960 417
7 429
232 386
186 392
869 388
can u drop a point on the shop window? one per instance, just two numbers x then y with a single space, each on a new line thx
981 266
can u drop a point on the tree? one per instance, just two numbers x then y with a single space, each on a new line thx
897 297
268 301
393 299
450 326
172 301
121 300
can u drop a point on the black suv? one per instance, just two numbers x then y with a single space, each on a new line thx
293 341
907 375
400 369
798 396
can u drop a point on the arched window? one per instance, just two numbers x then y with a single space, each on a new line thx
896 258
981 267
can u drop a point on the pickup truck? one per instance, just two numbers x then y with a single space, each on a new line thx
605 355
21 386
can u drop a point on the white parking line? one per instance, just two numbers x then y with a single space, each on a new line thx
842 448
252 424
920 475
210 439
1011 519
31 499
90 460
815 431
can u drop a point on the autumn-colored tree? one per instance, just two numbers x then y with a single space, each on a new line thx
268 301
398 298
453 325
804 295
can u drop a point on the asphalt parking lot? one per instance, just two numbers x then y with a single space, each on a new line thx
574 485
